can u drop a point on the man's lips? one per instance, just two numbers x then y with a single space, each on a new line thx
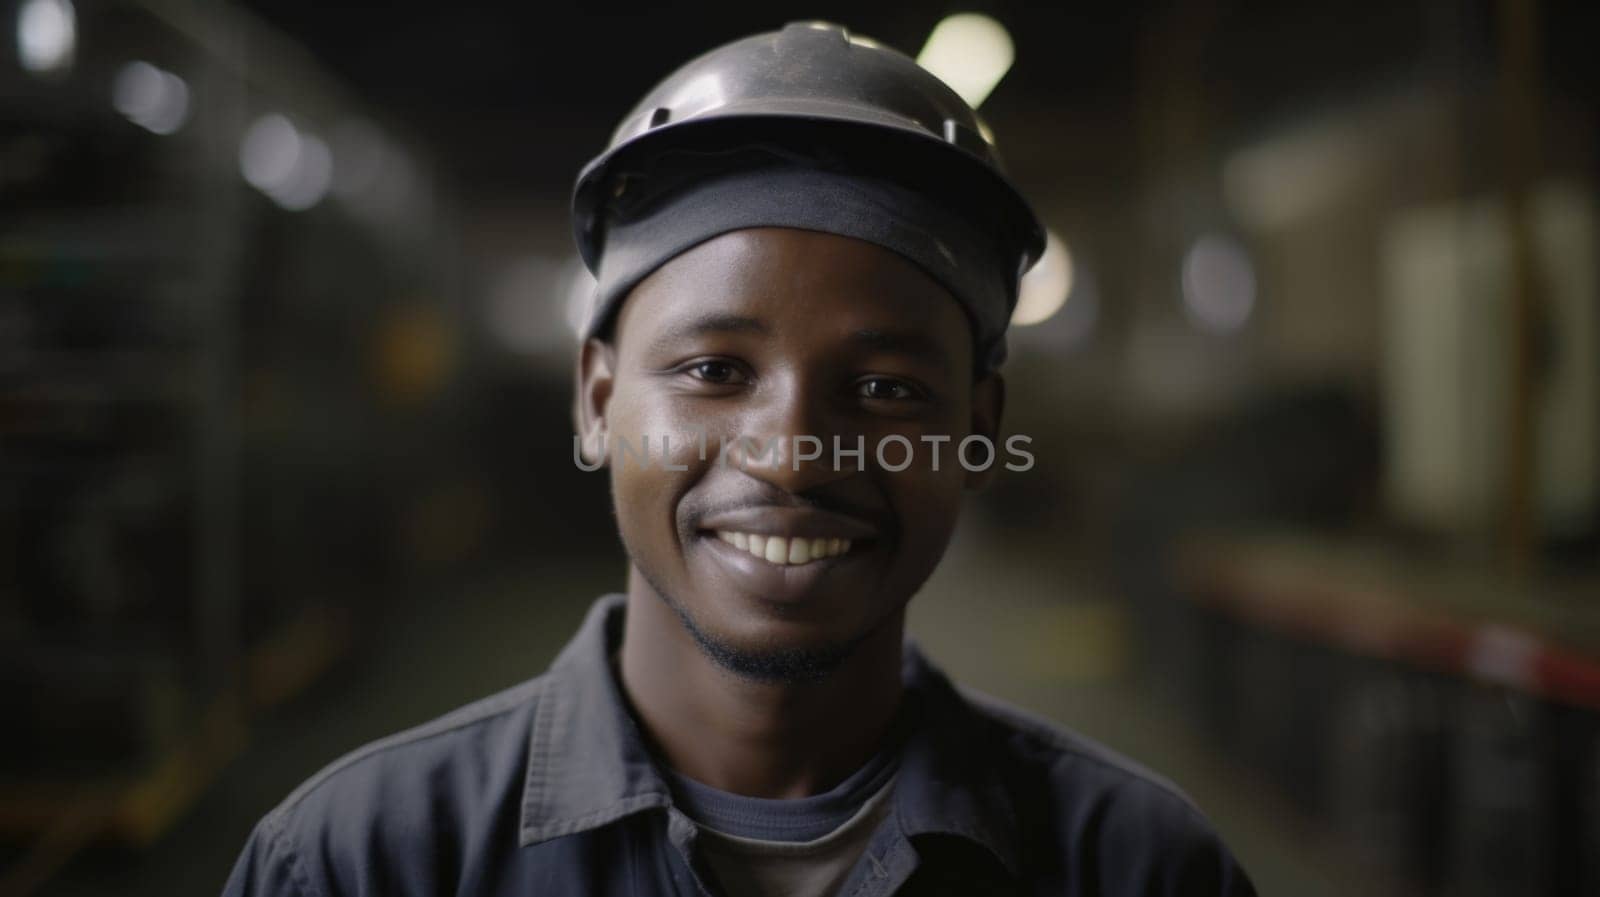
788 536
790 523
779 550
774 582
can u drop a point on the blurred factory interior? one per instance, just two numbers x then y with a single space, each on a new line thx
287 299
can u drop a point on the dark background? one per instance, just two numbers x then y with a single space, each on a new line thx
279 480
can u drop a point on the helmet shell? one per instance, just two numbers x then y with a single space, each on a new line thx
818 77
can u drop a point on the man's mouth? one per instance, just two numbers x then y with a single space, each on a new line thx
783 550
791 537
789 556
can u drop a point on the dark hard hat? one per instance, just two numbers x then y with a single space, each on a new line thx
814 81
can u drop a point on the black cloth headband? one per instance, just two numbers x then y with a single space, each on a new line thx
658 214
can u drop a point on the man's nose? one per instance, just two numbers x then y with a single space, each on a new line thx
788 439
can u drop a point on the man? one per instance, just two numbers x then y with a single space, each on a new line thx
805 254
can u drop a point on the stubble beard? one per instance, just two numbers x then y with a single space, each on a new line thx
775 665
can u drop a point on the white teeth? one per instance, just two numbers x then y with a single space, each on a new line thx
784 550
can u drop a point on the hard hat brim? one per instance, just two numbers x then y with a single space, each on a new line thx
871 137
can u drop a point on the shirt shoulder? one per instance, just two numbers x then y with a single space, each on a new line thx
1099 821
402 814
481 736
1035 740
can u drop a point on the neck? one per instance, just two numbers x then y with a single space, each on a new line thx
760 739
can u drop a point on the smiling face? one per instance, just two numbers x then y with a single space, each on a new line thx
778 567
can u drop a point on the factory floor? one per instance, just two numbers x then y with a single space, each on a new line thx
1000 615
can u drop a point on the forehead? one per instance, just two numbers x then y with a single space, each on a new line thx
802 285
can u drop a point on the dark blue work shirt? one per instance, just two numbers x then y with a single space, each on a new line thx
549 789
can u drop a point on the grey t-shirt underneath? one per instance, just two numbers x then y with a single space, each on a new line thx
806 847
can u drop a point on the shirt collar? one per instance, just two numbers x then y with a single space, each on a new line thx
588 765
587 761
949 779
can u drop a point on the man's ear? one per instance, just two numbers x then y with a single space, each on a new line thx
988 403
597 366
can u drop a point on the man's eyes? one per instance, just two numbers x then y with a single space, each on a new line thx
723 372
887 388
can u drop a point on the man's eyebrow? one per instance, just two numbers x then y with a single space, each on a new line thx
905 342
689 328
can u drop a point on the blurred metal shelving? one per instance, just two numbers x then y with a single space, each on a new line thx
194 484
1443 718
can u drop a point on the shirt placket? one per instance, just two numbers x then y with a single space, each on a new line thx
682 833
884 866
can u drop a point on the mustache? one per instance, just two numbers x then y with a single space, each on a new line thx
752 494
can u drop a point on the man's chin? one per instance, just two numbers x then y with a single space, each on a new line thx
768 661
774 652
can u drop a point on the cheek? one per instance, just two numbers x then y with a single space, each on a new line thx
634 417
927 504
647 436
670 431
937 498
